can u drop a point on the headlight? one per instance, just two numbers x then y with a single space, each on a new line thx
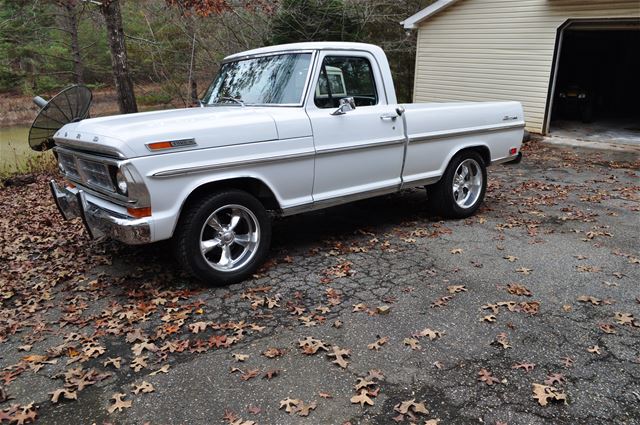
582 96
121 183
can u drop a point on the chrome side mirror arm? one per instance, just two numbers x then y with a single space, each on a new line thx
346 104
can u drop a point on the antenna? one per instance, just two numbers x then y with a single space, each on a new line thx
70 105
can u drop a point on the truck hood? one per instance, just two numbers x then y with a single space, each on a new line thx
209 127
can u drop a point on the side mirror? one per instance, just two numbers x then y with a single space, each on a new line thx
346 104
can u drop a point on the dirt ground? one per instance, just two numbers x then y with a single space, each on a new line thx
370 313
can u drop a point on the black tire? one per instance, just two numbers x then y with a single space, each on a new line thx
191 229
441 195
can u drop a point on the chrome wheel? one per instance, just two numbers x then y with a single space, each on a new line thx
229 238
467 183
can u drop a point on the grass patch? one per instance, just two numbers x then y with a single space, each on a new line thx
154 98
16 157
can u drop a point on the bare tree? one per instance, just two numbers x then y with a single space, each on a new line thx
115 33
71 12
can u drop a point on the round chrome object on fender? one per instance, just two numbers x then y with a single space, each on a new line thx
229 238
467 183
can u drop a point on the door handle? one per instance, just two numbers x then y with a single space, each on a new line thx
390 116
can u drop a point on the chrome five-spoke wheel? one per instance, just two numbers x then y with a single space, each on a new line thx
229 237
223 237
467 183
461 189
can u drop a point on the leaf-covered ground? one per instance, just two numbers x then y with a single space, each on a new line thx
375 312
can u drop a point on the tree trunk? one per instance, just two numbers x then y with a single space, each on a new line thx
193 85
124 86
71 15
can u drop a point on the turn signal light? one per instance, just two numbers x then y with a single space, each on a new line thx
139 212
160 145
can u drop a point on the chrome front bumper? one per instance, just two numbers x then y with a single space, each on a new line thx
100 223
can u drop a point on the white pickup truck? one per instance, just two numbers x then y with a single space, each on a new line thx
285 129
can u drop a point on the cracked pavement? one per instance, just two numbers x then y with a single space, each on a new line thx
563 224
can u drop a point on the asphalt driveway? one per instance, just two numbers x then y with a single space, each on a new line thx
374 312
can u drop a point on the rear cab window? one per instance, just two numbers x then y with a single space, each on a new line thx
345 76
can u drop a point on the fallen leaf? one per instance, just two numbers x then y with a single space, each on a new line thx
289 404
113 361
487 377
240 357
65 393
250 374
139 363
545 393
517 289
143 387
412 342
454 289
411 406
383 309
378 344
339 355
163 369
527 367
311 345
594 349
555 378
119 403
362 398
304 409
273 352
271 373
429 333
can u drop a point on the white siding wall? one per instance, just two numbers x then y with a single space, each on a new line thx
499 49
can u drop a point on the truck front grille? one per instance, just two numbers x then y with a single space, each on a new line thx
91 173
69 166
96 174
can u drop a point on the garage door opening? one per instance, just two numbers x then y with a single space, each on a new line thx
597 88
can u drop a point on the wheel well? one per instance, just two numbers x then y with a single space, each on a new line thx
250 185
482 150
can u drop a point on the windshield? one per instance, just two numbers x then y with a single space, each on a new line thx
267 80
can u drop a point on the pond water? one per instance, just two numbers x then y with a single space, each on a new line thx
15 153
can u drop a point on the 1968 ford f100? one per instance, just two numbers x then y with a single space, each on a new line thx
284 129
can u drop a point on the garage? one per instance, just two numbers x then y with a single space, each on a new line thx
573 65
596 90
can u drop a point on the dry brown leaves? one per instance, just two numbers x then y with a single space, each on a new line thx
339 355
143 387
118 403
545 393
487 377
517 289
311 345
299 407
377 345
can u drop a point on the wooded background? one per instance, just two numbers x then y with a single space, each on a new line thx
177 45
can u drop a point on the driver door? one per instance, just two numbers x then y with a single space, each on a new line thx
359 152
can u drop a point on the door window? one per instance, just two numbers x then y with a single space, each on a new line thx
345 76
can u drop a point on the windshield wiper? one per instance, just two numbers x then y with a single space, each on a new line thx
233 99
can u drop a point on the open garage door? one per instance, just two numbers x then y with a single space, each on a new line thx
596 95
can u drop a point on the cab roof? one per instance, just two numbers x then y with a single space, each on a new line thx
314 45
